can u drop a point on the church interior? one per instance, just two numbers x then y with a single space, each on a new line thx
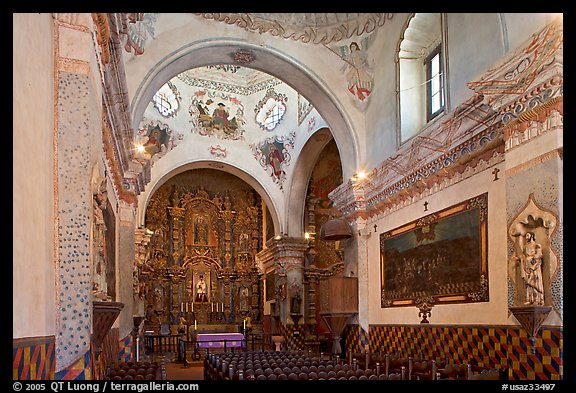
356 187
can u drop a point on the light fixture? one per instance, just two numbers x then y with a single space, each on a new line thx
335 229
361 175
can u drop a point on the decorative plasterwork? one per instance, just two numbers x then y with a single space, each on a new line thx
118 134
515 102
540 59
468 133
267 105
304 108
316 28
284 254
191 80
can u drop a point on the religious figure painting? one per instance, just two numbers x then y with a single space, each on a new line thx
273 155
358 67
441 257
217 115
155 139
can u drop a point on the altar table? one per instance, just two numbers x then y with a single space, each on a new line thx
217 340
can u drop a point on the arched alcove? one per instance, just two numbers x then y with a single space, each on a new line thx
280 65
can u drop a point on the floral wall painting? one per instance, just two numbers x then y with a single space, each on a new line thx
304 108
140 28
219 115
440 258
273 155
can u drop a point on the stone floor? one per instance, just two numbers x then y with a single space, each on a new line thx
176 371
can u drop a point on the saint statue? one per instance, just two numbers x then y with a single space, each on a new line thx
531 270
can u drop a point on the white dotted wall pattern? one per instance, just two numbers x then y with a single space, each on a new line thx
75 211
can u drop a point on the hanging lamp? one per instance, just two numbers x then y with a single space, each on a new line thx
335 229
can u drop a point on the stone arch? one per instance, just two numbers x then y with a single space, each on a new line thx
288 69
158 182
304 166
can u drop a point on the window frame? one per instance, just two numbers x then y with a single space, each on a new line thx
428 74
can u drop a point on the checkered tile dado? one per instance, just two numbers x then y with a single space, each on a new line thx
486 346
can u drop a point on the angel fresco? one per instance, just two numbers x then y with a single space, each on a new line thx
358 69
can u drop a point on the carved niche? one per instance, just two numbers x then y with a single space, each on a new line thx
532 264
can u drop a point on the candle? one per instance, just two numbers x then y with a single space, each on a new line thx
244 323
222 305
216 307
186 307
192 303
181 307
212 306
195 325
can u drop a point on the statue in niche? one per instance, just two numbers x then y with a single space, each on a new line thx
244 299
295 304
201 286
99 284
158 304
200 230
531 269
244 241
532 264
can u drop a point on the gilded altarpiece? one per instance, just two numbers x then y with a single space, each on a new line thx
200 268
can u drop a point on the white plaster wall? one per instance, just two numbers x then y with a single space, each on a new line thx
474 45
33 290
476 42
382 112
493 312
519 26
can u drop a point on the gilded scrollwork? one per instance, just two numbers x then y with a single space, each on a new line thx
208 233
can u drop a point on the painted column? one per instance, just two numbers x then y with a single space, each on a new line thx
287 255
77 138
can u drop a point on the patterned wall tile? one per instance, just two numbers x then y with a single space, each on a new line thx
486 346
33 359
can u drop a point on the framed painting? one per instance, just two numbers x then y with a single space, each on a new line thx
438 259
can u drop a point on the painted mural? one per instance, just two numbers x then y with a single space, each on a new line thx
156 138
217 114
273 155
358 67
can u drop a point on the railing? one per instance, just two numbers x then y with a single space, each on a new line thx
252 342
159 343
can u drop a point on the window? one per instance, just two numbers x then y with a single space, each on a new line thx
274 115
434 88
422 90
270 110
167 100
